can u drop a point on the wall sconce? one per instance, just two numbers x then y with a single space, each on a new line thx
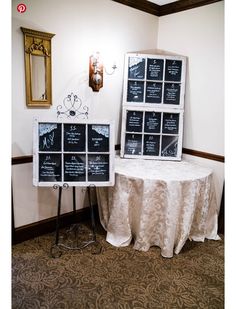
95 72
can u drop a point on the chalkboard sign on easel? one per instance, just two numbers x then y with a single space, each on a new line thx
98 138
74 137
49 136
78 154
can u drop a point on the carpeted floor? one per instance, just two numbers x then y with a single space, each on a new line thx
117 278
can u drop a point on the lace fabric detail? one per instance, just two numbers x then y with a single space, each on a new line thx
158 204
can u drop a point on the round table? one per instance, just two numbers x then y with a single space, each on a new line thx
158 203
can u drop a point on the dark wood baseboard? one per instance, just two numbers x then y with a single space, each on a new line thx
39 228
205 155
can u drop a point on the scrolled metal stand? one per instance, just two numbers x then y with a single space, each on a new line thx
74 230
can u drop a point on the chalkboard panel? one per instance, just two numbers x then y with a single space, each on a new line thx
98 167
135 91
98 138
64 153
136 68
169 146
155 69
170 123
171 93
74 137
153 92
49 167
152 123
151 145
133 144
173 70
49 136
74 167
134 121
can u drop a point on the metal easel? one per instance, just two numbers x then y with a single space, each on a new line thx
72 108
73 232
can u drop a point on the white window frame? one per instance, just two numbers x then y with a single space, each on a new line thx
156 110
163 81
36 152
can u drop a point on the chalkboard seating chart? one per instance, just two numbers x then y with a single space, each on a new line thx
78 154
154 79
152 133
153 105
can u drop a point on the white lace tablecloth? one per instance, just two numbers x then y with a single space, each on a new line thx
158 203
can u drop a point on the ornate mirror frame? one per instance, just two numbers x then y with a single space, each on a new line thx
38 44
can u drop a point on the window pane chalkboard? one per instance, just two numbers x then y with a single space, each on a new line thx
134 121
170 123
136 68
49 136
135 91
153 92
169 146
98 167
155 69
74 137
171 93
98 138
49 167
152 122
133 144
173 70
72 153
74 167
151 145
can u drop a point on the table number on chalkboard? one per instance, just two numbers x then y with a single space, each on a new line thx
155 69
72 153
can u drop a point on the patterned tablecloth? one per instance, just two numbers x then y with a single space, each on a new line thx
158 203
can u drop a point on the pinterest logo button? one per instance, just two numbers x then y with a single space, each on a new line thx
21 8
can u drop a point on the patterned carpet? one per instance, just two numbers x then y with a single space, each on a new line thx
116 278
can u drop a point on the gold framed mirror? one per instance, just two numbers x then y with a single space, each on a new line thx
38 68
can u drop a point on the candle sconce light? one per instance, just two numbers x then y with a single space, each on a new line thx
96 72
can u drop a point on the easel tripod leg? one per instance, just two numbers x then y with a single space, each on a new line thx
92 214
58 216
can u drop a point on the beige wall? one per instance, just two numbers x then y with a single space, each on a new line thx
81 27
199 35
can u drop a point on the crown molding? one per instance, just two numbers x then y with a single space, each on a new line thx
183 5
162 10
142 5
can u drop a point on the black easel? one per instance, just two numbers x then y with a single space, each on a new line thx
55 248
